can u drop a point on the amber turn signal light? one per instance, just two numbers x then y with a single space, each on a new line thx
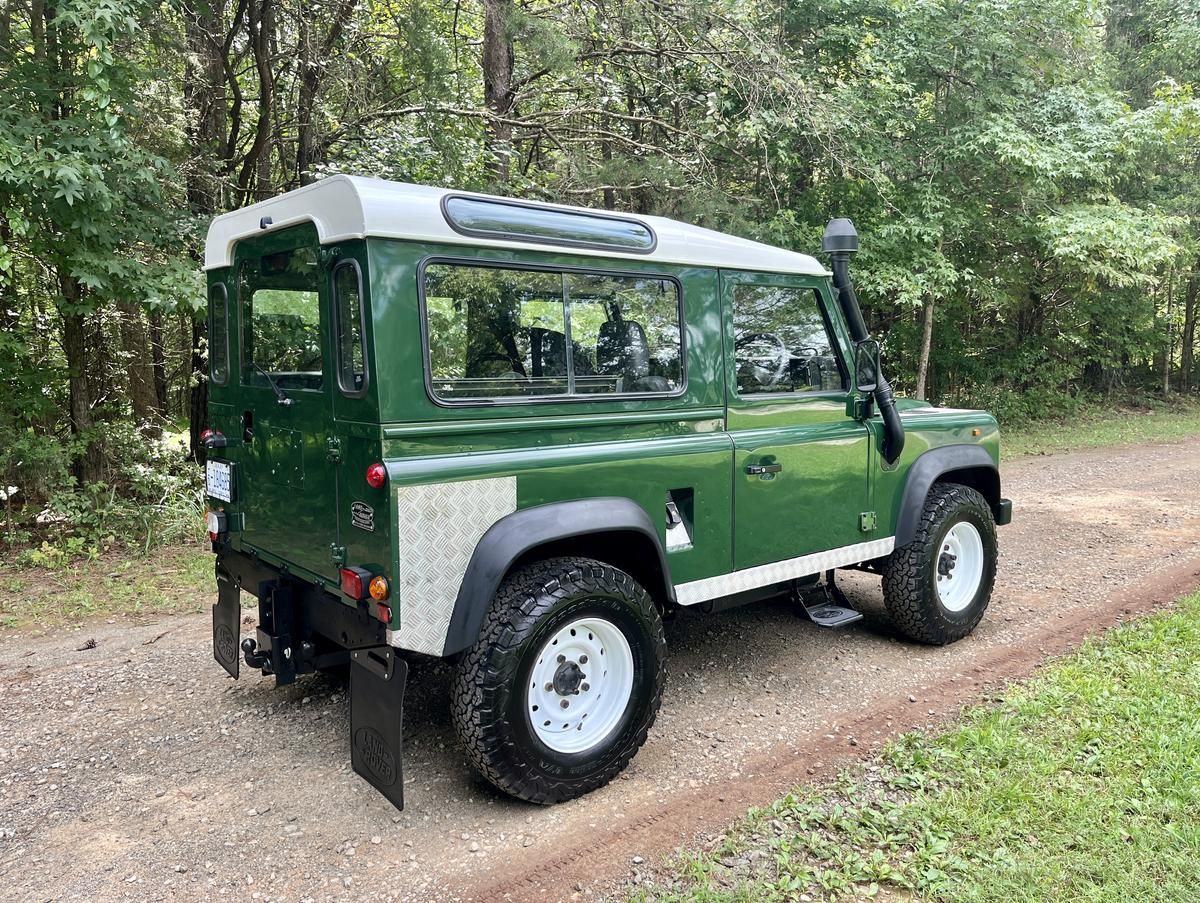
379 588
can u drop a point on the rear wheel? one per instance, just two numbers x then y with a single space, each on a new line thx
564 683
937 587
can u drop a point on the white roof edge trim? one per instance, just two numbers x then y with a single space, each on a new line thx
346 207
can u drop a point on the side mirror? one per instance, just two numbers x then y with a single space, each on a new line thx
866 366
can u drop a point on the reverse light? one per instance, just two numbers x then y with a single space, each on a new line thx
354 582
376 475
218 524
379 588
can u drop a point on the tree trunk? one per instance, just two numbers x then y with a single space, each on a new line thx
1169 347
158 363
198 412
314 64
498 95
204 92
1187 351
926 346
88 466
139 368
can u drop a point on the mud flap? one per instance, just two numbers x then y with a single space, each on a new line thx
227 616
377 677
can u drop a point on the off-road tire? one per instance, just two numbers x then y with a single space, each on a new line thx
910 574
488 696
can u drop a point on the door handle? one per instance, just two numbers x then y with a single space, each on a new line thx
757 469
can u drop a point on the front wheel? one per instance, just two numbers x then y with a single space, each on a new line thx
564 683
937 587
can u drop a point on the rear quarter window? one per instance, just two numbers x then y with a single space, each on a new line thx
218 334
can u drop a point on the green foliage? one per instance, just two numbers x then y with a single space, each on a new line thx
1081 785
1026 173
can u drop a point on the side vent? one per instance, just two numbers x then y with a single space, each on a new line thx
680 512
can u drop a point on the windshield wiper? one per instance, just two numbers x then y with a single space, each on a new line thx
280 396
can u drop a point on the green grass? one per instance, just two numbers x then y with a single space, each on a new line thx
1095 427
167 580
1080 785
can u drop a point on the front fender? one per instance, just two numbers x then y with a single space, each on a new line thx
970 463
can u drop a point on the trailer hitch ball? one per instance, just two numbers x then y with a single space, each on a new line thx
254 658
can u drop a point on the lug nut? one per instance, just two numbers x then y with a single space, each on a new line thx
561 659
549 686
565 703
583 659
586 687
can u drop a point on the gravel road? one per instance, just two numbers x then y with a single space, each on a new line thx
135 769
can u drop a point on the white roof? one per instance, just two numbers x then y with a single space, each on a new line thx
345 207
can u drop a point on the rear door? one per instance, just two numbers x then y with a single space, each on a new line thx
800 463
287 484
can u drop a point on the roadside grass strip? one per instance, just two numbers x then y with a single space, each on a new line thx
1082 784
1094 427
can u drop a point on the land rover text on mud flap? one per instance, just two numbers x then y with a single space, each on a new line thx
517 435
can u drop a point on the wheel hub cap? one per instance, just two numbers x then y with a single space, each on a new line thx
567 679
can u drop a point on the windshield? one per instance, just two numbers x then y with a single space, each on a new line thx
281 319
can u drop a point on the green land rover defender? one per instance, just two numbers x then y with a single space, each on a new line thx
518 435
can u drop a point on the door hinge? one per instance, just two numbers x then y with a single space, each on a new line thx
337 553
333 448
867 521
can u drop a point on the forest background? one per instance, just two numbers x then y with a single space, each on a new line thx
1025 175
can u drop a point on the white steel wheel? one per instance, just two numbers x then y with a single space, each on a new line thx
959 566
580 686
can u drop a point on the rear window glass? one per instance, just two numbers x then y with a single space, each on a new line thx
218 334
499 333
281 317
347 291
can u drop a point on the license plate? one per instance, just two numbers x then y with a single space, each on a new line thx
218 480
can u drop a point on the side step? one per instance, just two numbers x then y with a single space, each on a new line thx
825 605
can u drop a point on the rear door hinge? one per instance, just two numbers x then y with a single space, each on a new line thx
333 448
337 554
867 521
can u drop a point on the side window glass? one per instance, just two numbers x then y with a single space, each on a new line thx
347 293
218 334
495 333
281 320
782 342
625 334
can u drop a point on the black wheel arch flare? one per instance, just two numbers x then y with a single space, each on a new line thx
613 529
970 465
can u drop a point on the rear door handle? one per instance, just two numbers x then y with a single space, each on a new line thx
756 469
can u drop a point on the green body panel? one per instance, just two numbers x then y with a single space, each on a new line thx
294 498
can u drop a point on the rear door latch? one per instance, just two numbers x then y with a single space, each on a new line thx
333 448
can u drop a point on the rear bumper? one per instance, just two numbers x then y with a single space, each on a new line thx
1003 512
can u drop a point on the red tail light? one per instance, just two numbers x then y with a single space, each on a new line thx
376 475
207 434
355 582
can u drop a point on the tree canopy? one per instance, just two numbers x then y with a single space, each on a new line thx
1025 175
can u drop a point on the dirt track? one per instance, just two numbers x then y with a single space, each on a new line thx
136 770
